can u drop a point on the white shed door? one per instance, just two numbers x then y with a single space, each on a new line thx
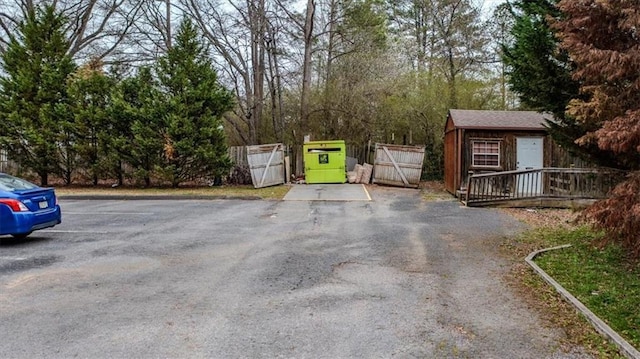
529 153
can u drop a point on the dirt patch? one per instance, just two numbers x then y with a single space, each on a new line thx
545 217
434 191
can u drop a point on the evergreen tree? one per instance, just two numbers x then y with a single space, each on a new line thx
90 93
192 103
138 124
33 95
537 71
540 72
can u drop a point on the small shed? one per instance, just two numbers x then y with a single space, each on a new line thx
490 141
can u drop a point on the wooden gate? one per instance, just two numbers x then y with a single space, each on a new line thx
397 165
266 163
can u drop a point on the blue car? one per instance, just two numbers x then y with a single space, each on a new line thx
25 207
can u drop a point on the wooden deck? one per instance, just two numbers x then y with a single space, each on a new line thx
545 187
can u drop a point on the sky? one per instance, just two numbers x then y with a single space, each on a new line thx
489 5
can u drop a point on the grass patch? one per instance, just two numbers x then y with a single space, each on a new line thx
274 192
600 278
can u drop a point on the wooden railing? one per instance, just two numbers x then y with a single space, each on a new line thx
541 184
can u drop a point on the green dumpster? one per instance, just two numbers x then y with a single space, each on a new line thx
325 162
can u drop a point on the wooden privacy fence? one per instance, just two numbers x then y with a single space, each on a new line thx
397 165
394 165
238 155
267 164
4 160
557 184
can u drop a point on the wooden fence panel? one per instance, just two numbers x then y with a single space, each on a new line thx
362 153
4 160
397 165
238 155
266 163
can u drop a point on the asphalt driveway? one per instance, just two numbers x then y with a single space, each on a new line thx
397 276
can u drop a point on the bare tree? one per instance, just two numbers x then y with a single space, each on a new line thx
502 26
306 64
97 28
413 21
274 80
447 36
155 27
461 41
245 40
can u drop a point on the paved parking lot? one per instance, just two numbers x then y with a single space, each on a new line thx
328 192
393 277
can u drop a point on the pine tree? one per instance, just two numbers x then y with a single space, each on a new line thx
192 103
90 92
33 95
540 72
138 124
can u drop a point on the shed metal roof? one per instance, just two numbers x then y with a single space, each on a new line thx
503 120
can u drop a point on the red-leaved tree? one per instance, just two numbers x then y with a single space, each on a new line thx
603 39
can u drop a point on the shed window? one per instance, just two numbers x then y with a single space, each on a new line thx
486 153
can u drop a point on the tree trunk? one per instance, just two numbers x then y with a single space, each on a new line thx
44 178
168 19
258 32
67 177
328 116
275 86
119 173
453 96
306 67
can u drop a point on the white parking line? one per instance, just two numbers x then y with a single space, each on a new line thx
366 192
63 231
110 213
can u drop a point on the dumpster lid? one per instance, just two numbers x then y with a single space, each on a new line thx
330 142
